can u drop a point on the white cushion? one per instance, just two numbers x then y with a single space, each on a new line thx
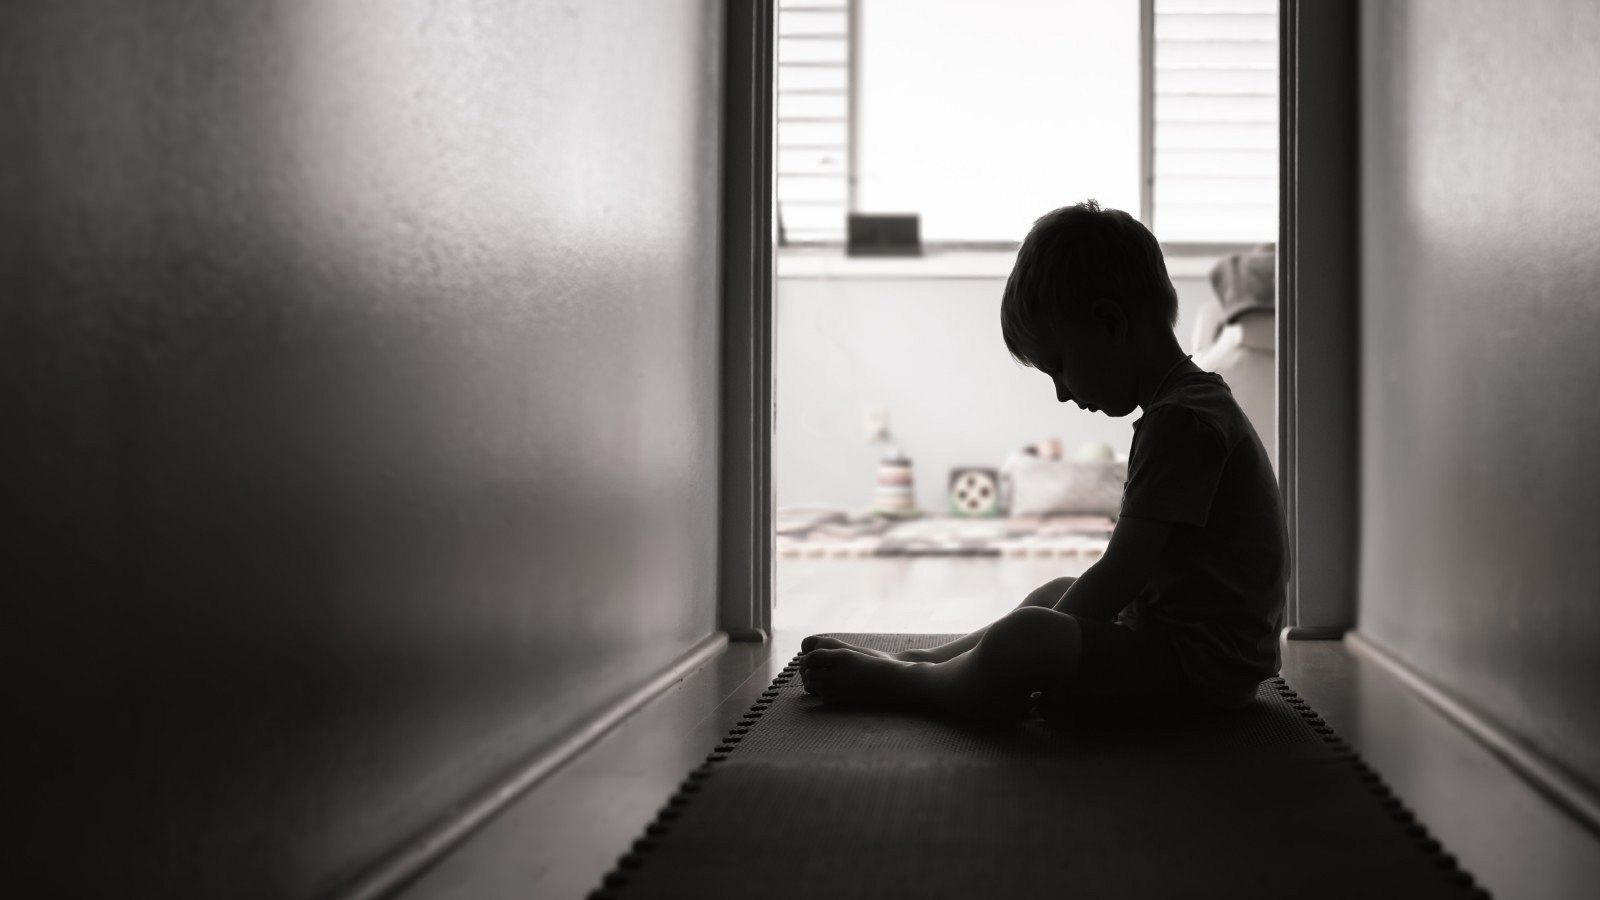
1032 486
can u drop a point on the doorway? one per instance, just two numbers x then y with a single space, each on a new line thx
921 480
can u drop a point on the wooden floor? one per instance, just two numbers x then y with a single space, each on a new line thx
558 840
931 594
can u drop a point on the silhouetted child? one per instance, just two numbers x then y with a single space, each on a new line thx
1187 601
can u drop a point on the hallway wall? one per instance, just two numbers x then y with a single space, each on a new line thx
1480 522
359 402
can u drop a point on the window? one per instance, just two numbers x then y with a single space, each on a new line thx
1215 129
978 115
813 147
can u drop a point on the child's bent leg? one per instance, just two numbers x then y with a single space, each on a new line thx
1032 648
1045 595
1029 649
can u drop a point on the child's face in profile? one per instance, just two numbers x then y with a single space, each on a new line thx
1094 367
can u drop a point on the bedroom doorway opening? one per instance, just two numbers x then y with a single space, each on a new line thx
923 480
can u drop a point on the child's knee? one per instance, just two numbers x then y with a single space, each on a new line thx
1031 630
1049 593
1030 647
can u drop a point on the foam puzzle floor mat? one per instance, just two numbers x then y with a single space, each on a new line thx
825 534
807 800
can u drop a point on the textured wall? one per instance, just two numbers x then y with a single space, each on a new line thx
359 408
1480 548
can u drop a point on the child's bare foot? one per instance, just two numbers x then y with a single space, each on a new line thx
845 674
823 642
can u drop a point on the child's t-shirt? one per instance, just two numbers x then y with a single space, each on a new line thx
1218 588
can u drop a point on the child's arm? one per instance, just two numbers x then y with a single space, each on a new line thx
1110 584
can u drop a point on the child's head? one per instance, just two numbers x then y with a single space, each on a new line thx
1087 298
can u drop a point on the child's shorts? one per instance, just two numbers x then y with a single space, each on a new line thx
1121 661
1120 669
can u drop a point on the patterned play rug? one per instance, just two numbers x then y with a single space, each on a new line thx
833 534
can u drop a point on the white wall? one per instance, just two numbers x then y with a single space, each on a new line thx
362 443
1480 202
930 351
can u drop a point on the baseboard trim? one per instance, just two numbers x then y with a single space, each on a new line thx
1314 632
1572 795
412 859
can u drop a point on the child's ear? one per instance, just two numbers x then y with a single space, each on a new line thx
1110 316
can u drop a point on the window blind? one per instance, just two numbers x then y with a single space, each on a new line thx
1214 168
1214 111
812 149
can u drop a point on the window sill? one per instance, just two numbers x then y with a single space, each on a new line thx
825 263
831 262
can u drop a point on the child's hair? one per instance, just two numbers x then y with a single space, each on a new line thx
1072 255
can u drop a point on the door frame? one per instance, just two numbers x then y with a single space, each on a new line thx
745 496
1318 316
1318 310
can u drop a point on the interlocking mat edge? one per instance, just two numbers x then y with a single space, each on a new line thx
803 799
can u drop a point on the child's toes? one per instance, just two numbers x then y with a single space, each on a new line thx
812 682
822 642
